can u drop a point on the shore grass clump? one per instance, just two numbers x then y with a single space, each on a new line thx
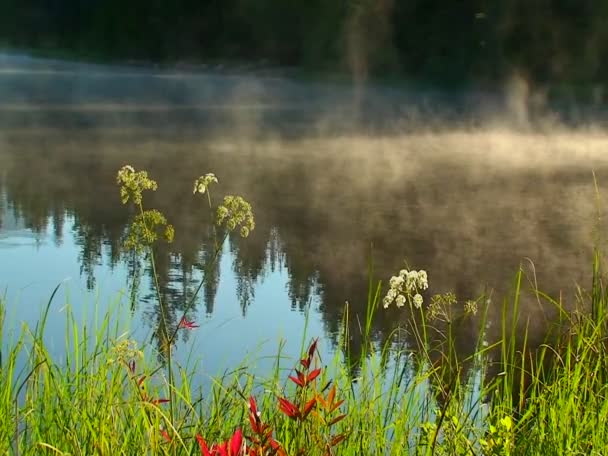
109 395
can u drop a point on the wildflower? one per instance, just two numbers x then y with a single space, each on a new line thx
423 280
202 183
412 277
400 300
184 323
126 351
406 286
146 229
396 282
132 184
235 211
470 308
386 302
440 307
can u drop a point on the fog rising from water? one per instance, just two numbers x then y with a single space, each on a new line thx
465 185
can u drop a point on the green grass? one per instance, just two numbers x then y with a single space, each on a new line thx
92 401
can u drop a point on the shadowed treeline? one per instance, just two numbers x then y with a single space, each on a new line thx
546 41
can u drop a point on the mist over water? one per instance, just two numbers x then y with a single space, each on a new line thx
468 186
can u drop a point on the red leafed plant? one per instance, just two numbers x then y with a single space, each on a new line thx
235 446
313 412
262 443
310 402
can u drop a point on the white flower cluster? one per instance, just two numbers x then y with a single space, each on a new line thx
201 184
406 287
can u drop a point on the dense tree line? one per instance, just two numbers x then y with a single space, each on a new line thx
442 40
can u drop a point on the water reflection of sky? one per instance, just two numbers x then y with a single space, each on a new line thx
33 265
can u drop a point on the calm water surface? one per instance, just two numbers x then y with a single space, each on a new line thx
337 178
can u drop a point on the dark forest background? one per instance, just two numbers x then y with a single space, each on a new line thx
444 41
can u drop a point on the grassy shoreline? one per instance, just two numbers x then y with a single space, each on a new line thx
110 397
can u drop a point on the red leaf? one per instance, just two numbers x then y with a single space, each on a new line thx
222 450
165 435
309 406
305 362
278 449
314 374
203 445
331 395
312 348
236 443
336 419
336 405
288 408
254 416
337 439
297 381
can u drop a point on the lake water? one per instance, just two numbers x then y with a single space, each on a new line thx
338 178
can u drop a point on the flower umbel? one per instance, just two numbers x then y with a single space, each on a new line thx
202 183
441 306
236 212
470 307
133 183
146 229
406 287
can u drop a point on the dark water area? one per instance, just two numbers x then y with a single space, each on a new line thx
331 191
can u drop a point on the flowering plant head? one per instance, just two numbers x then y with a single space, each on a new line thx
133 183
146 229
236 212
442 307
406 287
202 183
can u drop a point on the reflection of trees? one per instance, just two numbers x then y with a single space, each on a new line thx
249 262
91 250
322 217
